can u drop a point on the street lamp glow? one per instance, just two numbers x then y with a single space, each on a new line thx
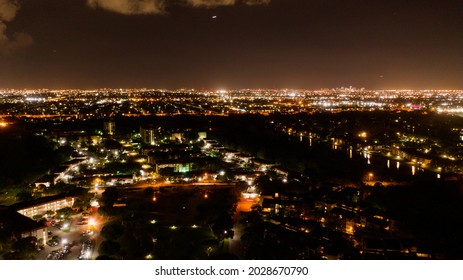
370 176
88 254
94 203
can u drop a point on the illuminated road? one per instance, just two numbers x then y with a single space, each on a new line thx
173 185
235 245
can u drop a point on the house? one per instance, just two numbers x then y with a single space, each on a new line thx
176 165
46 180
262 165
120 179
42 205
244 158
281 171
21 226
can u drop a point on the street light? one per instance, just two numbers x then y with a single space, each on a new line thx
91 224
370 176
65 226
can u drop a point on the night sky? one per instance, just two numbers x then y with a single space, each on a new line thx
231 44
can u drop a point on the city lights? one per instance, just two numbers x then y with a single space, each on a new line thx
197 180
282 132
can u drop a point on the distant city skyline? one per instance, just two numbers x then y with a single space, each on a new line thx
231 44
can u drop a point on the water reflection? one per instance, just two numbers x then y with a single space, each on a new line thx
375 161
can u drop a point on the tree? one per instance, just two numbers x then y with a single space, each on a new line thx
105 211
148 192
112 231
5 239
23 249
50 213
109 248
82 201
66 212
37 217
24 196
109 196
64 152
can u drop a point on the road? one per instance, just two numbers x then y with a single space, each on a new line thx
143 185
234 245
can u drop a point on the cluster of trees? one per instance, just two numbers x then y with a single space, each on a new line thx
217 212
22 249
432 213
132 234
26 157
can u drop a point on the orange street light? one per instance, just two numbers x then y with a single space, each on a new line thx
370 176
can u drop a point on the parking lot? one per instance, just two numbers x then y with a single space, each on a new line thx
78 241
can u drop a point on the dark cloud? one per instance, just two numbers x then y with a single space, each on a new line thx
130 7
216 3
232 44
256 2
8 10
210 3
135 7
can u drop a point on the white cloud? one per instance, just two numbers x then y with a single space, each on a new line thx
130 7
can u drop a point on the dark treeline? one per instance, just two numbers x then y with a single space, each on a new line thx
25 157
432 212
